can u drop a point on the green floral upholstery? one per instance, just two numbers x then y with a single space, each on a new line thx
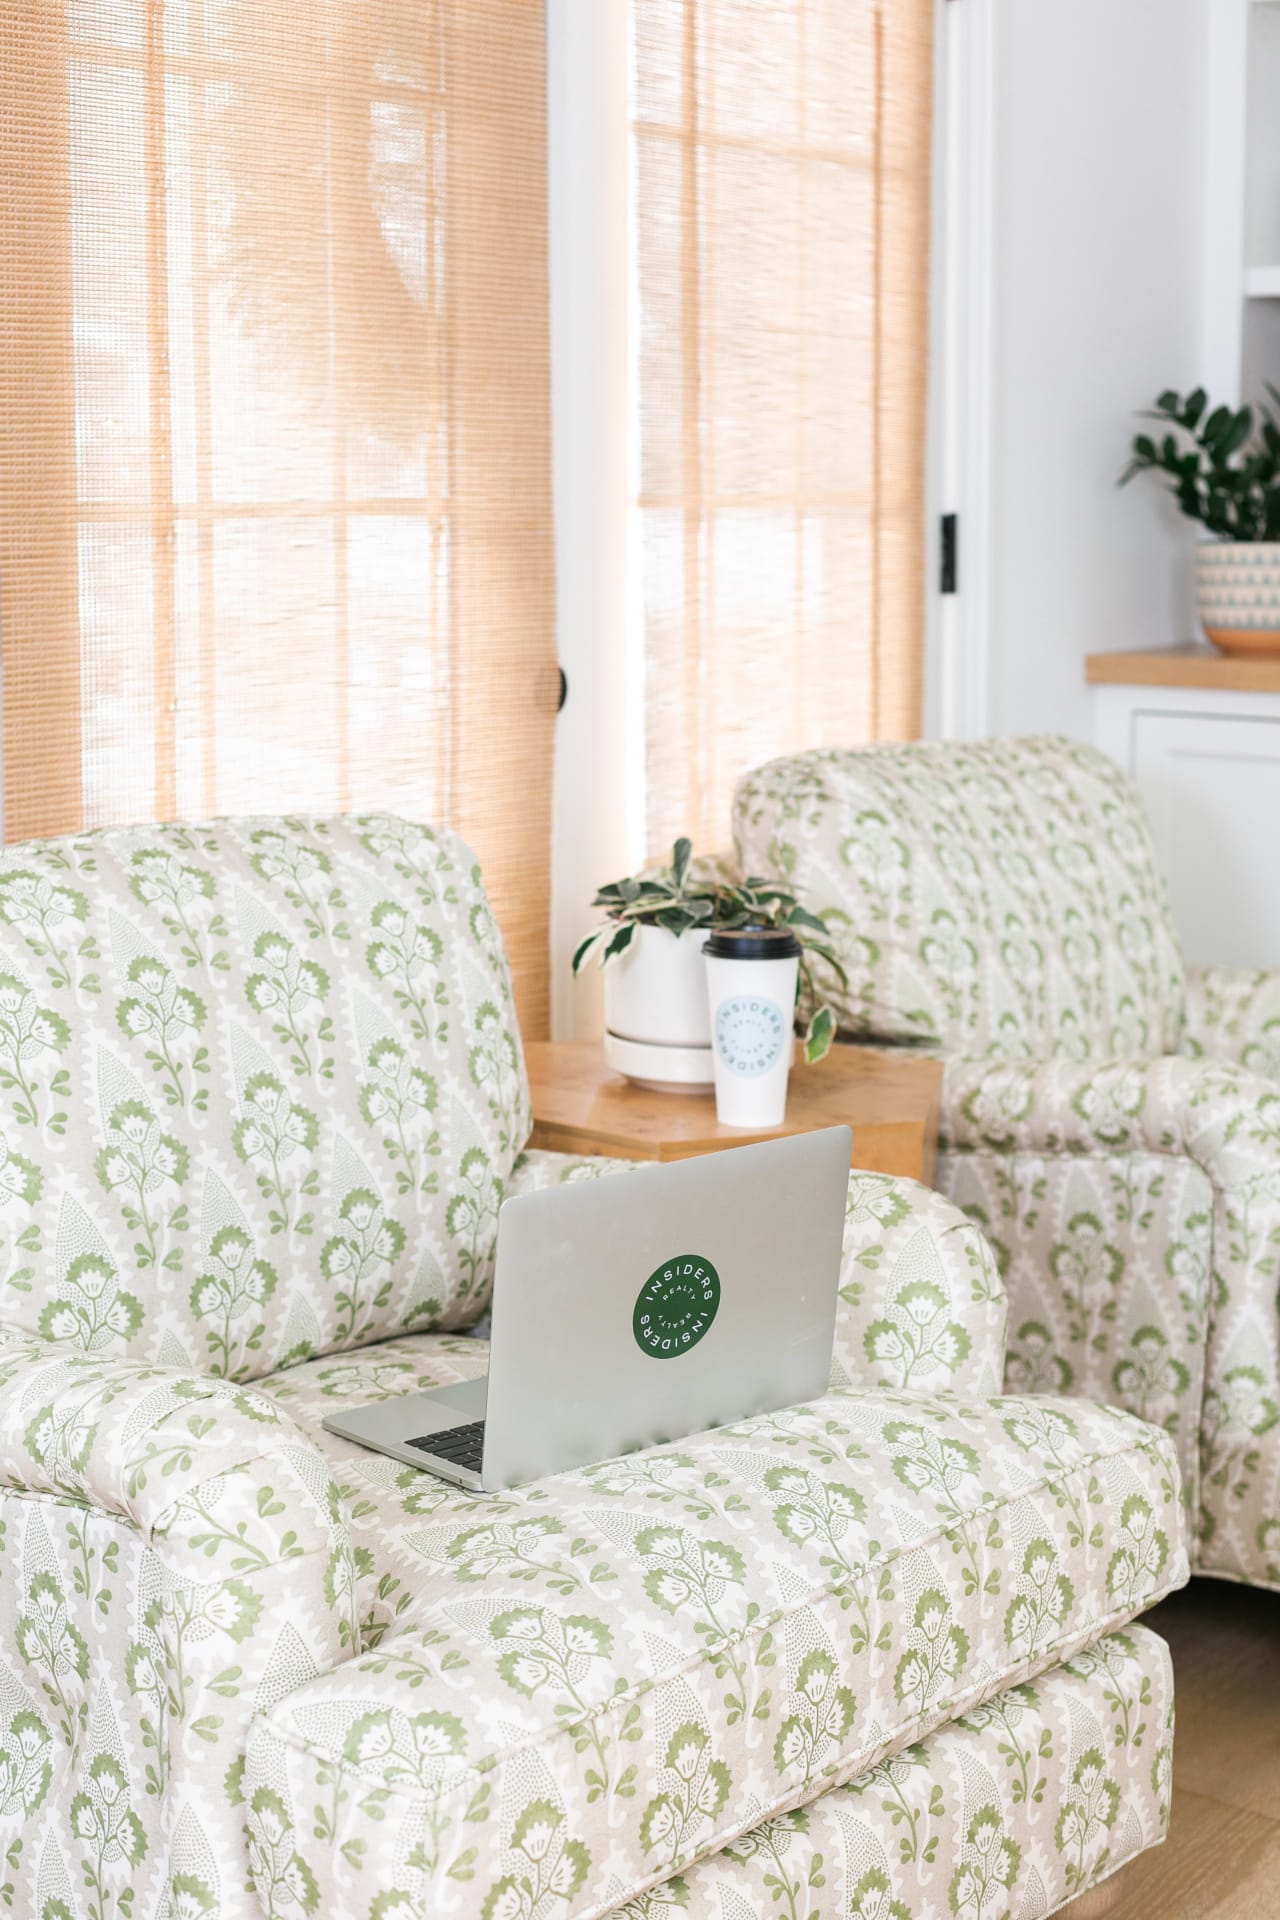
1233 1014
1001 902
1012 1809
174 1551
186 1559
1138 1212
1000 898
260 1095
609 1675
922 1306
260 1089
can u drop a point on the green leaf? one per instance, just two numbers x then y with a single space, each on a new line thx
819 1035
1218 423
681 854
798 916
619 943
584 947
1237 433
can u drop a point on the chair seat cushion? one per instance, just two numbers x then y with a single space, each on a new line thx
387 1504
648 1657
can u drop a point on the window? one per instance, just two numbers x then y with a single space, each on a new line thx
275 524
781 162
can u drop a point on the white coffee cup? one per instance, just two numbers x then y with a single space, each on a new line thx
751 989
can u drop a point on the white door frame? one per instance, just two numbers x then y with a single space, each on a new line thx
594 832
958 678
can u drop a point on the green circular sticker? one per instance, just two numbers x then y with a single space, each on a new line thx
676 1306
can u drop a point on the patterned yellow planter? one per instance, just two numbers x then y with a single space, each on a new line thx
1238 589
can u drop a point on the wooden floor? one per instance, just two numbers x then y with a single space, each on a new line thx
1222 1858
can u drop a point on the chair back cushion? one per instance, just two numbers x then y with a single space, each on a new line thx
260 1088
1000 898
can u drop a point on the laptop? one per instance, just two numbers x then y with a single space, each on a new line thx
631 1310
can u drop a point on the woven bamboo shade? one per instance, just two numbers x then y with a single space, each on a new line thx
275 516
782 161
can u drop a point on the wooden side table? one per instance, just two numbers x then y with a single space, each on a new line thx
890 1100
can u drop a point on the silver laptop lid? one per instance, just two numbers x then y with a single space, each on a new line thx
641 1307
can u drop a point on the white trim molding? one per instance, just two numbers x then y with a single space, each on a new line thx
965 284
588 186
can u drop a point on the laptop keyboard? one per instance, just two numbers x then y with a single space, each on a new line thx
462 1446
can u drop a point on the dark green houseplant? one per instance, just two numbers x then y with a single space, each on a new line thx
1222 463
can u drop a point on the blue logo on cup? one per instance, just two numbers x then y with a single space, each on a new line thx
751 1033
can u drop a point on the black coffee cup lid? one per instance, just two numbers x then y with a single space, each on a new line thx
752 943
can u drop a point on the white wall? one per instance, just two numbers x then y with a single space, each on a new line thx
1097 295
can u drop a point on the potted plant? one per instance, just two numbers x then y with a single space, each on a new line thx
650 941
1223 467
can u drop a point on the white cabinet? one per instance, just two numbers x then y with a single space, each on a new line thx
1206 760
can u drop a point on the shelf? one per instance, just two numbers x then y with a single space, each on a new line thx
1262 283
1185 667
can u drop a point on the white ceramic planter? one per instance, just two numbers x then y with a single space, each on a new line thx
1238 589
657 990
658 1026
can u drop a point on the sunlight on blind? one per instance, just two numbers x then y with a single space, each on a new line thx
782 206
275 520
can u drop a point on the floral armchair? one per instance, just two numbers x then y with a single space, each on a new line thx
1110 1119
261 1093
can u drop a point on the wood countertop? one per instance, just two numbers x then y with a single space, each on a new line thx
1189 666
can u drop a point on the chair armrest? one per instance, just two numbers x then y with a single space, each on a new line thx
922 1306
181 1548
1224 1121
211 1472
1233 1015
1221 1116
921 1303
